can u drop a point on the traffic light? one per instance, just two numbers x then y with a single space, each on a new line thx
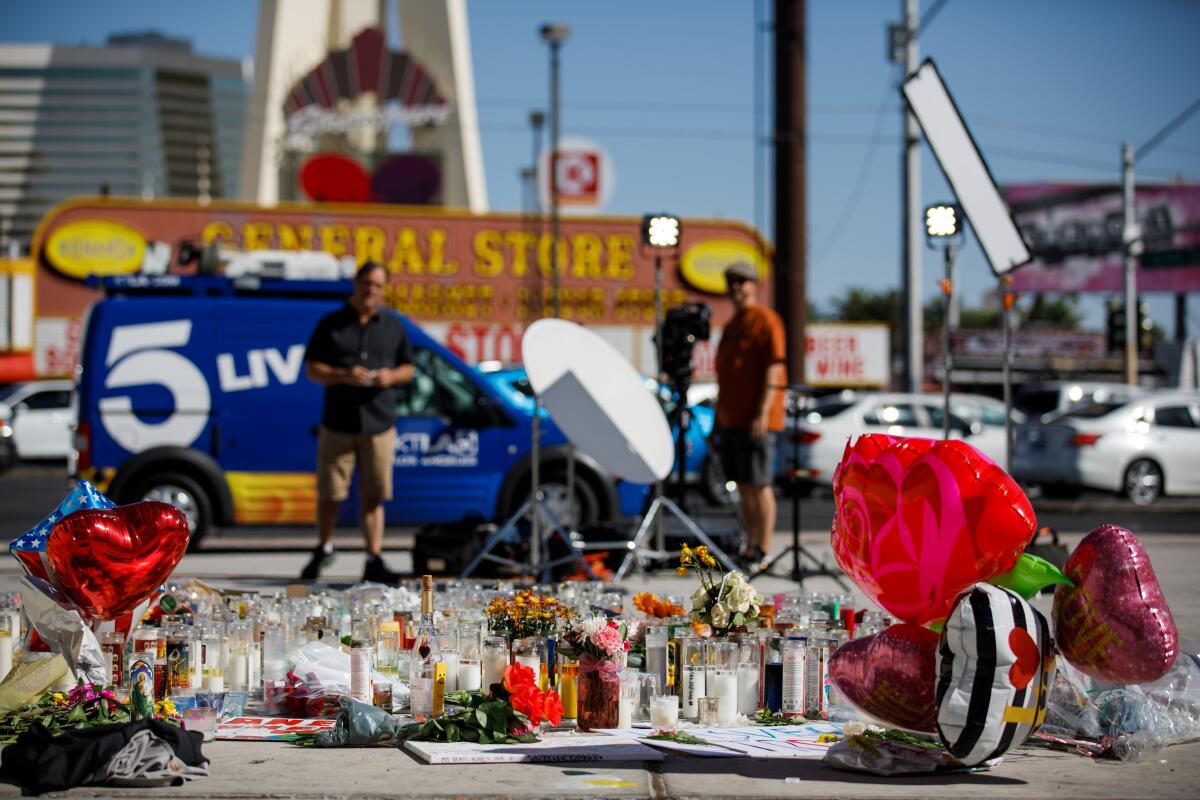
1116 326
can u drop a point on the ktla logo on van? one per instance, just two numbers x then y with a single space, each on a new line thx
458 448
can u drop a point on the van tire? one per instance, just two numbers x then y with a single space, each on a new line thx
193 500
556 476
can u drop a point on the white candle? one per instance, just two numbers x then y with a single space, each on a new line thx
624 711
664 711
748 689
238 668
468 676
722 684
534 662
691 689
6 653
451 659
214 683
494 663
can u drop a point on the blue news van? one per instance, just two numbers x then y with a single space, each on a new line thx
192 391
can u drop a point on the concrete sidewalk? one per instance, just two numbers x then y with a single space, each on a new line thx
274 769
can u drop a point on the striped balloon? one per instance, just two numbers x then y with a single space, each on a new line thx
995 670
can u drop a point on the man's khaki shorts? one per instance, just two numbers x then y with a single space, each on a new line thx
336 455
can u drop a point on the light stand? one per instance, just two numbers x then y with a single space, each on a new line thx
797 551
942 229
534 509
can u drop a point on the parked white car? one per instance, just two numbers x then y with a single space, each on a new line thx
1046 400
1143 448
825 428
40 414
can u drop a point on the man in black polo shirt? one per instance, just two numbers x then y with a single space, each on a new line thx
357 353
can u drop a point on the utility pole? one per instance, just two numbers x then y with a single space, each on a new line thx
904 50
791 256
1132 241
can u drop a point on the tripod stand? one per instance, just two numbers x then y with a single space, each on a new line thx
795 404
663 502
535 509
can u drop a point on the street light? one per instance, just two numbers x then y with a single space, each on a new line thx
660 231
554 34
943 229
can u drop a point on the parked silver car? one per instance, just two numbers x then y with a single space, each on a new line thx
1143 448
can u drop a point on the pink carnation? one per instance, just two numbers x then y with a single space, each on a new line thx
609 640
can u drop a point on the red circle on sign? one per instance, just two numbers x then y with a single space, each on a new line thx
335 178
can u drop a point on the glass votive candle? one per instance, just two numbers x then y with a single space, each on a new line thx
710 711
664 711
202 720
627 700
651 688
720 680
495 660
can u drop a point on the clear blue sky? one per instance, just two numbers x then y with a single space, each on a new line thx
1049 87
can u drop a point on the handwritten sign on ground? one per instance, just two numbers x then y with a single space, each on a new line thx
270 729
554 748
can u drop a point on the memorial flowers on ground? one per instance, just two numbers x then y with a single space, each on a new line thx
724 602
526 613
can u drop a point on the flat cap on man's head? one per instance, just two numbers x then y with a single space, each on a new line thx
741 271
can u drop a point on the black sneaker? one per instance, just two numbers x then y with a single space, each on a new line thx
376 571
320 559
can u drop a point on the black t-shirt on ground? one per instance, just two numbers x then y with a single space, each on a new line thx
340 341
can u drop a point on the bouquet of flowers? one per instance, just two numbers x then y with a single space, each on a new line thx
526 614
724 603
509 717
596 640
649 604
84 706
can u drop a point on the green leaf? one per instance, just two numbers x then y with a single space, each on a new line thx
470 734
1030 575
484 738
452 734
481 717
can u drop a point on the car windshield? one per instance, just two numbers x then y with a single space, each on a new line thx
1093 410
825 411
8 391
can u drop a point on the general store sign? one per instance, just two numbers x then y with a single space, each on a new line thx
848 355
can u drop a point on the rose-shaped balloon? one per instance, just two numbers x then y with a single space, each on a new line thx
917 521
1114 623
109 560
891 676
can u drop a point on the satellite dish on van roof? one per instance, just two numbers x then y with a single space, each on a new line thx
598 400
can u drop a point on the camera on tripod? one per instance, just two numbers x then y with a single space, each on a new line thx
683 326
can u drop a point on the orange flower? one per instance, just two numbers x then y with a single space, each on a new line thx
529 701
552 709
517 677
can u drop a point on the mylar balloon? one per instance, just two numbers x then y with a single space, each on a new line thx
30 547
108 561
1114 623
995 667
917 521
890 675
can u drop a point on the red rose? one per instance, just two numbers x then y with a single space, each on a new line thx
553 708
517 677
528 700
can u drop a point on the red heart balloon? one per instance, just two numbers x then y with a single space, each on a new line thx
1114 623
891 675
109 560
917 521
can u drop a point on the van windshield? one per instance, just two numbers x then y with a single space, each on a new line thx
1037 402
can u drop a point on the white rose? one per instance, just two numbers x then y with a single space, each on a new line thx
700 599
740 597
719 616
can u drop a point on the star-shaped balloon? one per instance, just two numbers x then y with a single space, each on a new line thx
30 547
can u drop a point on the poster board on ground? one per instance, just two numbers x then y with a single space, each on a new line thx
554 748
270 729
754 741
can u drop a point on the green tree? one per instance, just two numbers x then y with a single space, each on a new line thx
1058 313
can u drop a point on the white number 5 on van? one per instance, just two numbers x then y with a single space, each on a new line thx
138 355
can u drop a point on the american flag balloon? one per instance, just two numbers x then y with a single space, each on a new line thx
30 547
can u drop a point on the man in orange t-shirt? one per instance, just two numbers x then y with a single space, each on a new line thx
751 381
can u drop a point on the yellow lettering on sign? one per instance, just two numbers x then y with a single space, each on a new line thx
217 232
588 248
438 264
561 257
292 239
519 243
369 242
489 261
620 258
406 255
257 236
335 239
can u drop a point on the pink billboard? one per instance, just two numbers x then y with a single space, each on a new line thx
1074 233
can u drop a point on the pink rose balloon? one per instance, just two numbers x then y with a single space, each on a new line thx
1114 623
918 521
891 676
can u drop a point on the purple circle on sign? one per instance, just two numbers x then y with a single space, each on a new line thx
407 179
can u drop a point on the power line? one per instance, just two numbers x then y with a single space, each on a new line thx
1167 130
